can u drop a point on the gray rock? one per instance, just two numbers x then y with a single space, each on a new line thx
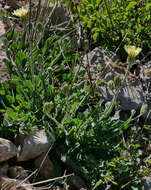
131 96
99 58
34 145
57 12
11 4
147 183
7 150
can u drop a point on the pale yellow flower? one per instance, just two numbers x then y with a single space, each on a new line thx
22 12
132 51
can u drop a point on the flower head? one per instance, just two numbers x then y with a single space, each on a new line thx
144 108
132 51
22 12
47 107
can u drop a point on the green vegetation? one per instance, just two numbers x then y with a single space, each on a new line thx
111 24
48 88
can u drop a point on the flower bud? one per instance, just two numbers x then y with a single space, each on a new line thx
144 108
107 105
132 51
117 81
111 84
65 89
21 12
47 107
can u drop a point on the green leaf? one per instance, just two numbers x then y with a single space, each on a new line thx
2 92
95 36
11 114
148 6
98 183
10 99
29 85
131 5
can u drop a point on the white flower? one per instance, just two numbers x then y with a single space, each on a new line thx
22 12
132 51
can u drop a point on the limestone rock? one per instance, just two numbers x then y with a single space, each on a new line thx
34 145
7 150
45 166
131 96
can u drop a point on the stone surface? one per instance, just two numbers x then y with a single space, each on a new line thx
45 166
34 145
99 58
17 172
147 183
58 13
7 150
76 183
3 169
131 96
10 4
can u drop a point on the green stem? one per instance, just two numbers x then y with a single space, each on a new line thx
109 13
59 125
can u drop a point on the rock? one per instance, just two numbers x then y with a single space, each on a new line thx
131 96
12 184
3 169
11 4
100 57
34 145
76 183
58 13
45 166
17 172
147 183
7 150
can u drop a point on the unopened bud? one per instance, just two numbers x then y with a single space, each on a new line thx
65 89
47 107
107 105
144 108
111 84
117 81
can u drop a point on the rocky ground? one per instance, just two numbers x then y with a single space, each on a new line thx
13 173
25 163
